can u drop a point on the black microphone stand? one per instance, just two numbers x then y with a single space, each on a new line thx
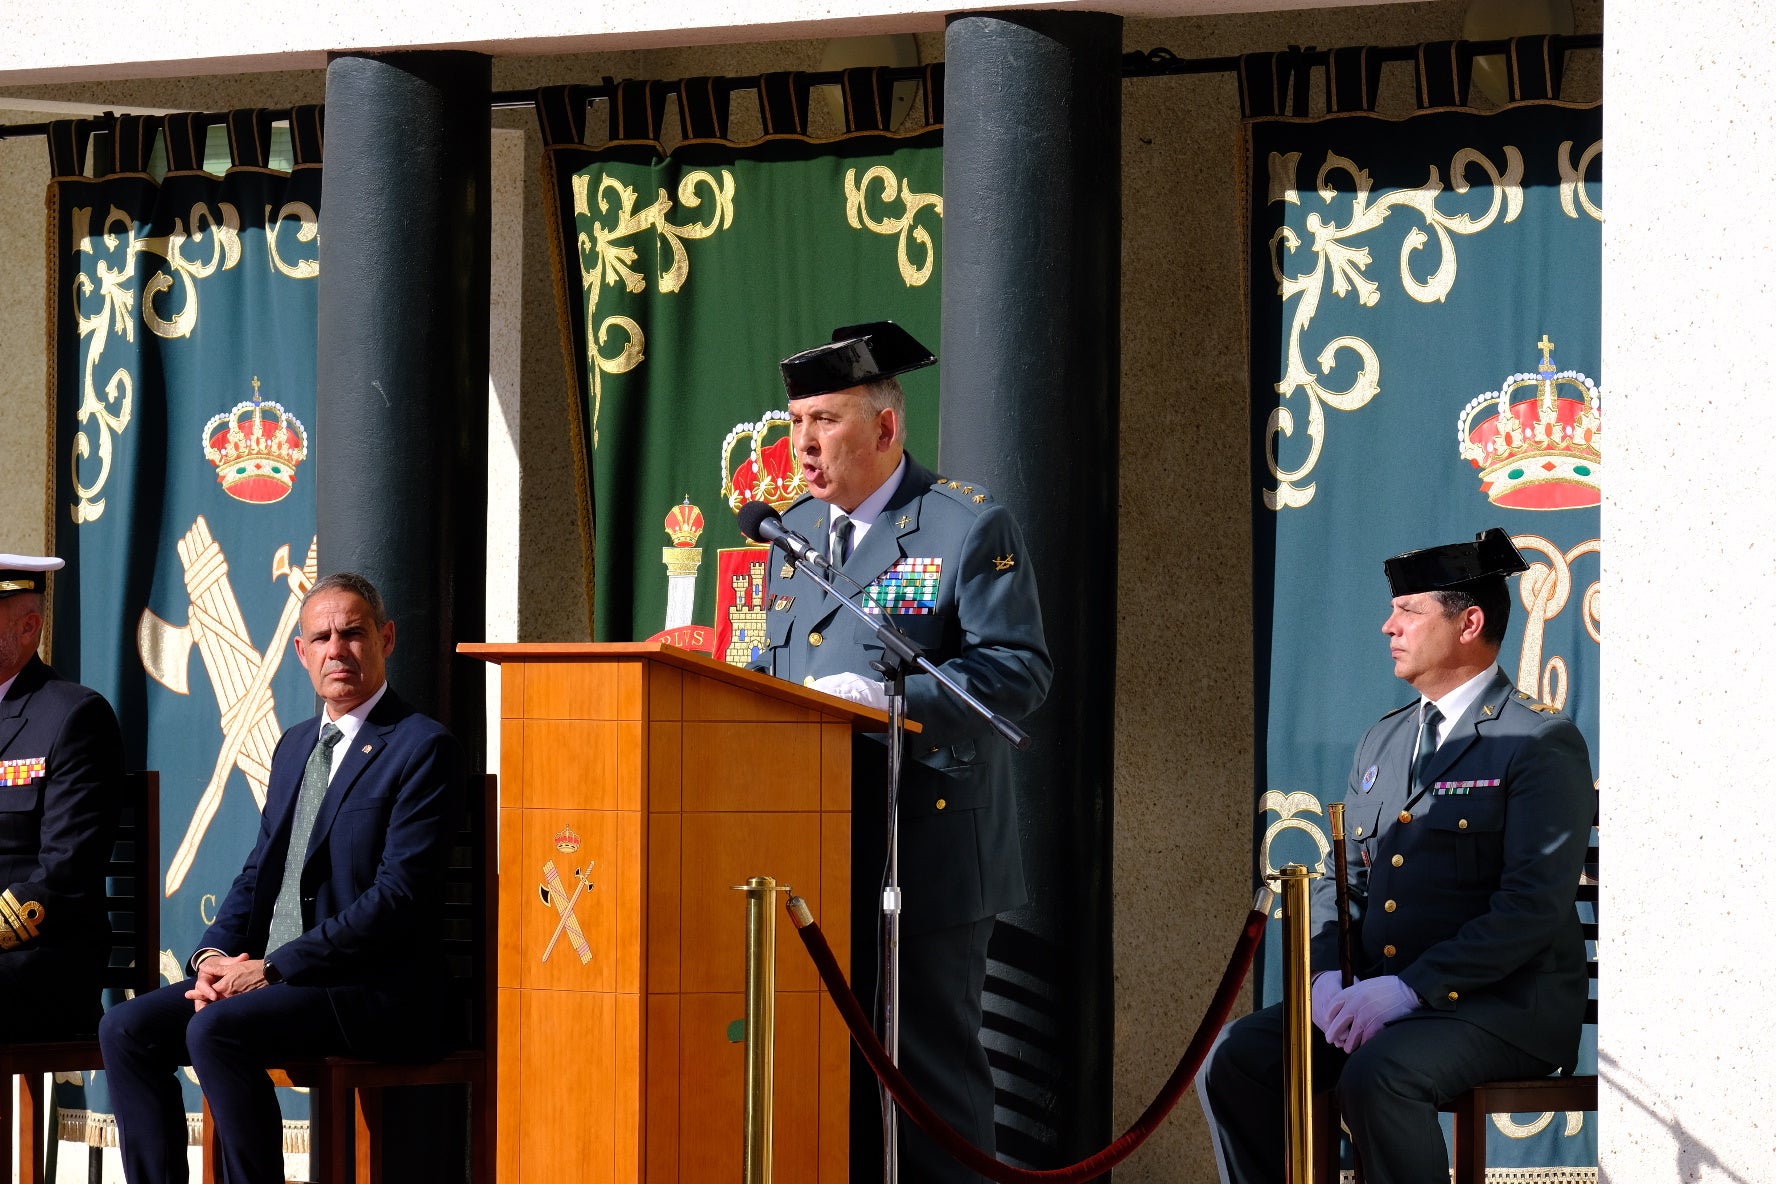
900 655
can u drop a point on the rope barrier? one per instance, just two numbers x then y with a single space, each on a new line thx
966 1153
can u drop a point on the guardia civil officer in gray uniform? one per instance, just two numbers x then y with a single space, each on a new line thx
61 772
949 563
1467 818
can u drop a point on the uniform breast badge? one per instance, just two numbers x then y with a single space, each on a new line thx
1369 778
780 604
22 771
1444 789
909 587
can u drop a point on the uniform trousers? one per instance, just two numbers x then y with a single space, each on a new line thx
941 974
1388 1092
228 1044
50 994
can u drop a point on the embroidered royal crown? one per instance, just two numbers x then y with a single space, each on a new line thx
769 473
684 523
567 840
256 447
1538 439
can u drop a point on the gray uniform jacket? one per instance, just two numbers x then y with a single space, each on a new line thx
1466 889
952 563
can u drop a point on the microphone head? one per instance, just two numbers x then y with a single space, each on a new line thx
753 516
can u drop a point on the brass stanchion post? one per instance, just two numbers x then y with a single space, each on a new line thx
1297 1022
761 1024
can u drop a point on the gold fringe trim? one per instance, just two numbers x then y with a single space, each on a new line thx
100 1130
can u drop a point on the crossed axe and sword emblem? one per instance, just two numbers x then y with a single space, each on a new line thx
555 892
240 673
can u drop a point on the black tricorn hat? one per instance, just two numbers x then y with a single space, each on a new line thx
1491 555
856 355
25 573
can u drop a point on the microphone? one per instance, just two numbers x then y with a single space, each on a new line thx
760 523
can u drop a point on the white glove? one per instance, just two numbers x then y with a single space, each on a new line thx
1326 987
854 687
1365 1008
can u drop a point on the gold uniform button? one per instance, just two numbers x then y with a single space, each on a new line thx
816 638
1399 861
1359 832
1390 906
1463 824
1388 950
809 681
941 803
1454 995
1405 816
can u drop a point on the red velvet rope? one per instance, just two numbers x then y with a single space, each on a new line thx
966 1153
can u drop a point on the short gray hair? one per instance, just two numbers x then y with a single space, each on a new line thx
357 585
884 393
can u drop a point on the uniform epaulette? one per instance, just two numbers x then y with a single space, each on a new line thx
1535 704
972 496
1400 708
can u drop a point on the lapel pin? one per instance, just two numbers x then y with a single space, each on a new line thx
369 748
904 522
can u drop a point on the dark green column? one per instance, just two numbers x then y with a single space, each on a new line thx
1031 295
402 408
401 431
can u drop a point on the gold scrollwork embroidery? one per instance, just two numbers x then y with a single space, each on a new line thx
307 231
1574 194
1545 590
1339 259
108 416
225 252
858 214
1575 1122
607 257
1289 808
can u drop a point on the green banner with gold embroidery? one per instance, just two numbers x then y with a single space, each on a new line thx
684 279
183 392
1425 365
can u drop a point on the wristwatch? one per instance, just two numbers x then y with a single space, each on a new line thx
273 975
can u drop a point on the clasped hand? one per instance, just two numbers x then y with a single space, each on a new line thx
1350 1016
220 976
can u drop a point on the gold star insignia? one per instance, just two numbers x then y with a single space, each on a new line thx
955 485
1003 562
979 498
939 481
968 489
904 522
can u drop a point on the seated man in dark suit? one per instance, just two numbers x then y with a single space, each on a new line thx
61 765
330 940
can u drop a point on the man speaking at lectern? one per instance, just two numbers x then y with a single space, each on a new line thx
331 939
946 564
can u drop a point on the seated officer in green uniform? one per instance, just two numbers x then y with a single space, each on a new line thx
947 564
61 774
1467 818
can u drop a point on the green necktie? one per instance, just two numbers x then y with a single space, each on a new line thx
1427 744
286 913
841 532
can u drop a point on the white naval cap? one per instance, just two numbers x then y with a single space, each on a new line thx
26 573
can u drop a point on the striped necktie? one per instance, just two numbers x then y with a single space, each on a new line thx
286 913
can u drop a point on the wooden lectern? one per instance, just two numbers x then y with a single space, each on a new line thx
638 784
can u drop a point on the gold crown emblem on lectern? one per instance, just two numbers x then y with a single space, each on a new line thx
567 840
1541 446
256 447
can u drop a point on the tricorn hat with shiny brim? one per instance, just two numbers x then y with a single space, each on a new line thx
1491 555
25 573
857 354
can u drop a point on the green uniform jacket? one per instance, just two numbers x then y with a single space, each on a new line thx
977 617
1470 902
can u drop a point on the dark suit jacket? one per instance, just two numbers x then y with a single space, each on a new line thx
372 884
960 858
55 838
1482 879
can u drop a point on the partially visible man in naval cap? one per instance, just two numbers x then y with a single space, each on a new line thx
1468 813
61 772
